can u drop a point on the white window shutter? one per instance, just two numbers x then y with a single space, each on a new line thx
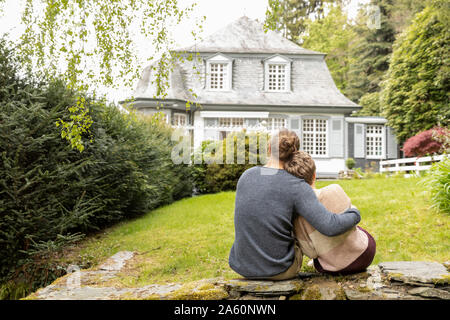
336 138
360 140
266 77
208 76
295 124
205 74
230 75
288 76
391 144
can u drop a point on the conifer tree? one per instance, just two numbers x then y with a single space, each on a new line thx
415 95
371 52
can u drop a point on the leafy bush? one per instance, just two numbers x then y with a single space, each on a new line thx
359 173
415 91
438 183
350 163
51 194
426 142
213 173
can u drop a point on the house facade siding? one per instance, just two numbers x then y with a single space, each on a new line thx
274 83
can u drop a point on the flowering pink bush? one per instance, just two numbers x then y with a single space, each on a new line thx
427 142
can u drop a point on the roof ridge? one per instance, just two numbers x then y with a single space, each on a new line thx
246 35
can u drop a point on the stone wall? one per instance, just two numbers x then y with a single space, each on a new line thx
400 280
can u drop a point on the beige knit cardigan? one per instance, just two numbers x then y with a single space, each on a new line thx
333 253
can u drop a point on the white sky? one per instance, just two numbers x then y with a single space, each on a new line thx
218 14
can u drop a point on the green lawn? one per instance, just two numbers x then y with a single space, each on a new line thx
191 239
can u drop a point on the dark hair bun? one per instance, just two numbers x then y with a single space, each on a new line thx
288 144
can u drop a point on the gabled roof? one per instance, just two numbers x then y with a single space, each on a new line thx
311 86
247 36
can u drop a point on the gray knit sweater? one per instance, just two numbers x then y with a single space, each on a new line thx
267 200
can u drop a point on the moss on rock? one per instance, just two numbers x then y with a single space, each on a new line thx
297 296
442 281
199 290
312 293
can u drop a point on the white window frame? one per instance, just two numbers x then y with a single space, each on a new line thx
315 133
228 65
276 78
271 121
277 61
371 135
231 123
176 120
227 123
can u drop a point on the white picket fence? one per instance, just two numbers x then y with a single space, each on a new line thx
409 164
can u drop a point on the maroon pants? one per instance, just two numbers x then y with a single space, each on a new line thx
359 265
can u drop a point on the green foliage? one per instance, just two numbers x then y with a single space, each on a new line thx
332 35
273 14
93 39
403 11
79 124
416 92
438 183
350 163
90 45
220 168
198 169
371 50
289 16
371 104
51 194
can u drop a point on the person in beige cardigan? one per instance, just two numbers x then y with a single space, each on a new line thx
350 252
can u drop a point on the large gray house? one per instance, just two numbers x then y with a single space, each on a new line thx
257 80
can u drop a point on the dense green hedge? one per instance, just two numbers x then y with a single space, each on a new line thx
50 193
438 184
213 176
415 94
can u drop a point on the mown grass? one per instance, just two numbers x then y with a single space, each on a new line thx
191 239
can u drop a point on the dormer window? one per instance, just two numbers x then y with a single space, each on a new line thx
277 77
218 76
277 74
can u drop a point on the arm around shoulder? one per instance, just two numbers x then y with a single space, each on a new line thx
308 206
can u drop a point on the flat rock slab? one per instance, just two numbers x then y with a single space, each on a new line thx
321 289
358 295
199 290
54 292
430 293
80 293
264 288
413 280
416 271
117 261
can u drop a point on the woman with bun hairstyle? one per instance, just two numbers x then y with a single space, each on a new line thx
350 252
268 200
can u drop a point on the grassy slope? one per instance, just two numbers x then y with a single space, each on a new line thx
191 239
